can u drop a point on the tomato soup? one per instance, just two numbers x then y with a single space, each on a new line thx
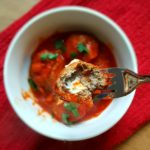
50 58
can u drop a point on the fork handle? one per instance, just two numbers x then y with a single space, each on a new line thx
144 78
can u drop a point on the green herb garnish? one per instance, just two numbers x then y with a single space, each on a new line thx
72 107
52 56
65 118
32 84
59 44
75 112
52 114
82 48
73 55
46 56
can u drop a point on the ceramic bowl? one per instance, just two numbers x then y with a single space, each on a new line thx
18 58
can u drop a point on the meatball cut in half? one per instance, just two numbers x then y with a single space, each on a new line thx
79 80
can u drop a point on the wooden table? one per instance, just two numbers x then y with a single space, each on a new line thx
13 9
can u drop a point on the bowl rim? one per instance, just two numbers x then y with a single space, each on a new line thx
56 10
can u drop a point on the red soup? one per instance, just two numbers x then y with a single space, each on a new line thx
50 58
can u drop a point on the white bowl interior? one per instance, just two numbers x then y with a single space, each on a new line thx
18 61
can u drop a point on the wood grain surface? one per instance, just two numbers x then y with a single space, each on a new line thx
10 10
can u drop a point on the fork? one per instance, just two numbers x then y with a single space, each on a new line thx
123 82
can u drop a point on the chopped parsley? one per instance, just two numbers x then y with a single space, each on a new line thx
82 48
32 84
46 56
59 44
72 107
52 115
65 118
73 55
52 56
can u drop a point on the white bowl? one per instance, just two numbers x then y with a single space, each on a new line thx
17 63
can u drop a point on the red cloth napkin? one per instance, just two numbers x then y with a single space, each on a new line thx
134 17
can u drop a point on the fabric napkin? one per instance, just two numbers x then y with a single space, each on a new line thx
134 17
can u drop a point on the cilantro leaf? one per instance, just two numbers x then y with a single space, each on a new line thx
82 48
52 56
46 56
75 112
59 44
65 118
73 55
72 107
32 84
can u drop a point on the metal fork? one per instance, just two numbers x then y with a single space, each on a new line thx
123 82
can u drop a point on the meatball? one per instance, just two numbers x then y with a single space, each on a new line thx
79 80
